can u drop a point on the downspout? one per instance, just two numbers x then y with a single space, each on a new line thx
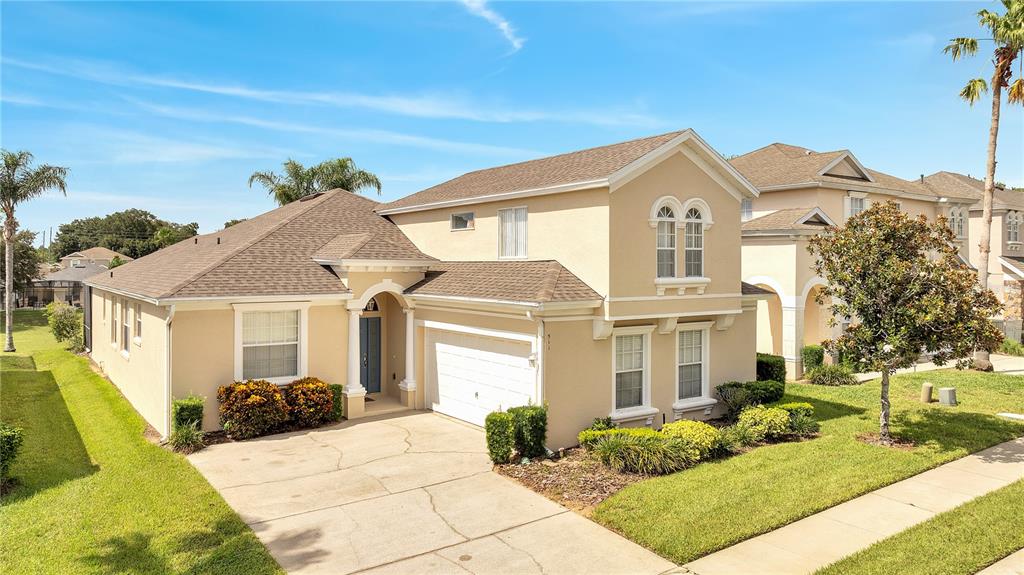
167 374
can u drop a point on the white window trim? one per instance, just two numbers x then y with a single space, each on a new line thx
645 410
705 400
137 324
472 222
746 209
526 240
124 323
674 221
302 308
703 240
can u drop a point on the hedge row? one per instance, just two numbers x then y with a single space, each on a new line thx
258 407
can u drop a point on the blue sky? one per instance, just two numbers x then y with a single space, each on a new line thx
170 106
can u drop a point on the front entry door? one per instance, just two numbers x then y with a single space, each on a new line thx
369 353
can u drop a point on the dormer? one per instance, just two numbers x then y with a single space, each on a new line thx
846 166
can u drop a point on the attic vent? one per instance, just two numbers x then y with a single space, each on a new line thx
218 241
310 197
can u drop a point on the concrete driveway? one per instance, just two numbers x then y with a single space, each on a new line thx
406 494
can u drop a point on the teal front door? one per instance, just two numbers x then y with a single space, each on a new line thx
369 353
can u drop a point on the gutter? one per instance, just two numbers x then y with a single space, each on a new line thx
167 374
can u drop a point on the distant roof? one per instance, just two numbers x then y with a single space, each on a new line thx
97 253
74 273
787 165
271 254
506 281
789 219
575 170
952 182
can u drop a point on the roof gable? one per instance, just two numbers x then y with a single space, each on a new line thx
846 166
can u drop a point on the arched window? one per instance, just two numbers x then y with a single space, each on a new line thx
666 242
960 222
693 262
1013 226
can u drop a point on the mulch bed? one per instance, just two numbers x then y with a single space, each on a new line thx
576 480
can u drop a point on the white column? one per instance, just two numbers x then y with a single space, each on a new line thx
409 383
793 339
353 387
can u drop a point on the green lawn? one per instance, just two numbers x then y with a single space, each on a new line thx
94 495
690 514
960 541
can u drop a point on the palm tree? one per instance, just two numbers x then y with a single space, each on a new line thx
297 181
19 183
1007 37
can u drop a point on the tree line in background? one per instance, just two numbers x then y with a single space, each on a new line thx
134 233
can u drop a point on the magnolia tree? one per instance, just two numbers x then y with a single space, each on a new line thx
900 283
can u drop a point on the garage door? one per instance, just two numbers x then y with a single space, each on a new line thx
470 375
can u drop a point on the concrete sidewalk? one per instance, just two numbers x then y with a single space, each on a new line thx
1010 364
816 541
1011 565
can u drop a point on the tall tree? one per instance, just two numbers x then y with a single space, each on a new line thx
134 233
298 181
27 260
19 183
1006 33
902 286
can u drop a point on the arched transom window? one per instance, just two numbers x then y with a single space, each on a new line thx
693 253
666 242
1013 226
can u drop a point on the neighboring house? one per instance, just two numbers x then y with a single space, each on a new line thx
97 256
1006 260
604 282
61 284
801 192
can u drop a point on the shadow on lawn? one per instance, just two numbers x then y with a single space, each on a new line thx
825 410
53 452
25 319
949 430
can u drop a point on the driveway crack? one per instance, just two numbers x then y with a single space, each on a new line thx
334 447
525 552
433 506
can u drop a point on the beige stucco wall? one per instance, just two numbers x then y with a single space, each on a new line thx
570 227
830 201
141 374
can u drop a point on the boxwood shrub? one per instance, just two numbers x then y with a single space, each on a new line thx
764 422
737 395
337 403
531 425
251 408
813 356
500 429
11 439
771 367
310 402
798 407
187 411
705 438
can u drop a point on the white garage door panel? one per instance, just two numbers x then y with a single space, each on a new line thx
472 375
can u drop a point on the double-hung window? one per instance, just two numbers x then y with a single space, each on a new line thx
666 243
125 326
113 321
857 205
270 344
694 249
1013 226
691 364
138 322
630 370
746 209
512 233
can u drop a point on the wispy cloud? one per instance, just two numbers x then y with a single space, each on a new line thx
104 145
364 135
915 40
480 8
429 105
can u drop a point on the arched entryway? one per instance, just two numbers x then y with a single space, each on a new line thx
816 328
769 323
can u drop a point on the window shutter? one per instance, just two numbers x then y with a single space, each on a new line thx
847 207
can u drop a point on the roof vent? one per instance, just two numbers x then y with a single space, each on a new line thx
807 152
310 197
111 274
218 241
197 241
922 178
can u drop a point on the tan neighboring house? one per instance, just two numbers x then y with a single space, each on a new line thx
801 192
604 282
1006 260
97 256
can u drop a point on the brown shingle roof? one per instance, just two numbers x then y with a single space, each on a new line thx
368 246
750 289
98 253
787 219
517 281
952 183
574 167
270 254
783 164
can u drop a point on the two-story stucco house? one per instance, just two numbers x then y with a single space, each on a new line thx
1006 260
97 256
801 192
604 282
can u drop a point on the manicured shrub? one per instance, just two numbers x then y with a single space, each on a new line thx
310 402
764 422
251 408
704 437
64 321
735 396
500 430
767 390
337 403
1011 347
736 437
186 438
802 424
186 411
647 454
588 438
813 356
771 367
531 423
833 375
11 439
798 407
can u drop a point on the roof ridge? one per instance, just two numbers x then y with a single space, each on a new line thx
246 245
547 287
